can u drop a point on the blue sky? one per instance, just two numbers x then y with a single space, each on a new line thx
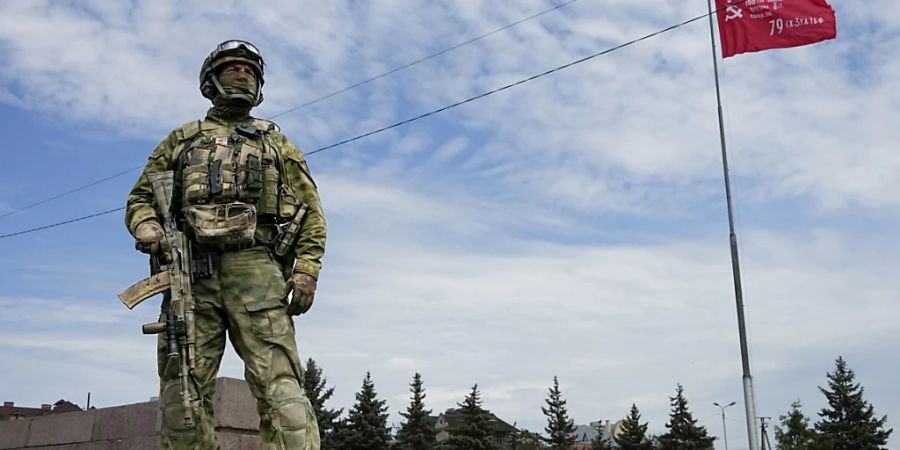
573 226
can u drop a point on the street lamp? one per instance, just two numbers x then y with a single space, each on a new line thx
724 428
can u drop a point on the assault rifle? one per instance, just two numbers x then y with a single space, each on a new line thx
171 267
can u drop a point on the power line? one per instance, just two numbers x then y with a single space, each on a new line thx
436 111
511 85
420 60
62 223
70 191
314 101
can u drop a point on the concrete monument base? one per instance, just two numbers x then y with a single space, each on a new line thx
133 427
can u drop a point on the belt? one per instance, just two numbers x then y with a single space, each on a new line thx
264 236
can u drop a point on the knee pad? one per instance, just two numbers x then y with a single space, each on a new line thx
293 419
289 405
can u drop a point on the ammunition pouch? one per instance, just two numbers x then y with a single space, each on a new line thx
226 227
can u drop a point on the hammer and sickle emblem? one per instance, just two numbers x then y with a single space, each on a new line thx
733 13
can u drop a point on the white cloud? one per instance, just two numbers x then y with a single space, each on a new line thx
643 116
490 233
618 324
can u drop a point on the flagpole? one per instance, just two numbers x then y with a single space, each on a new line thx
749 401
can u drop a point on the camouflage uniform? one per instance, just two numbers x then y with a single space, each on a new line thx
245 294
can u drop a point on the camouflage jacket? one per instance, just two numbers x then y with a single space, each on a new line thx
310 246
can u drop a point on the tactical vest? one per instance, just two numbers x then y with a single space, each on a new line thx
228 183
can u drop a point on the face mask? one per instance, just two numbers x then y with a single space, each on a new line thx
240 89
238 83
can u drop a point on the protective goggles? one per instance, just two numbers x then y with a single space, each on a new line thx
235 44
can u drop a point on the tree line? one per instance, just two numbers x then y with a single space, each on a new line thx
847 423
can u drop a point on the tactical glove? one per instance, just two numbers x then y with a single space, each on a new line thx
304 287
146 234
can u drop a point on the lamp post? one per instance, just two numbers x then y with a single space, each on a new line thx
724 428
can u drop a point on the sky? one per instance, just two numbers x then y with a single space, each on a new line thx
573 226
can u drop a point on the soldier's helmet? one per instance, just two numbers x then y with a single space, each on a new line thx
231 51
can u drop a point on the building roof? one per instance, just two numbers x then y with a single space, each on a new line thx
585 434
62 406
453 417
9 411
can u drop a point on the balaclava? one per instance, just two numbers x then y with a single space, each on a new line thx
241 89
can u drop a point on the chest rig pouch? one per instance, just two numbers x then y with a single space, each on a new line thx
229 184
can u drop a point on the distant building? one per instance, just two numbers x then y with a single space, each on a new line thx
585 434
451 420
12 412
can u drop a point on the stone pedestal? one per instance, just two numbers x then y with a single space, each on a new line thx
133 427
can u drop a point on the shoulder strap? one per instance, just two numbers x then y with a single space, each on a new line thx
188 133
189 129
266 125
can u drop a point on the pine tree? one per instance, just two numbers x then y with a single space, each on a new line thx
314 384
340 435
417 431
476 432
683 432
795 432
366 425
849 421
527 440
634 433
560 428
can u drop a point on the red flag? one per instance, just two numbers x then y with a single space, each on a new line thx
754 25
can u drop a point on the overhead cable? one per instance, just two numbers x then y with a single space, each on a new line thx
314 101
70 191
420 60
436 111
78 219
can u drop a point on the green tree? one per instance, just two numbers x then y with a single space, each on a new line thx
527 440
314 384
417 431
683 432
366 425
340 435
795 432
634 433
560 428
849 421
476 432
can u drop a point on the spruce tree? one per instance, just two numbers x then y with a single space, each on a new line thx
314 384
476 432
527 440
634 433
417 431
849 421
560 428
366 424
795 432
340 435
683 432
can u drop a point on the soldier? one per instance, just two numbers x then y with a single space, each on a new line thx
238 184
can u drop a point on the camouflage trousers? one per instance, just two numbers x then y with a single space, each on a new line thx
244 298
